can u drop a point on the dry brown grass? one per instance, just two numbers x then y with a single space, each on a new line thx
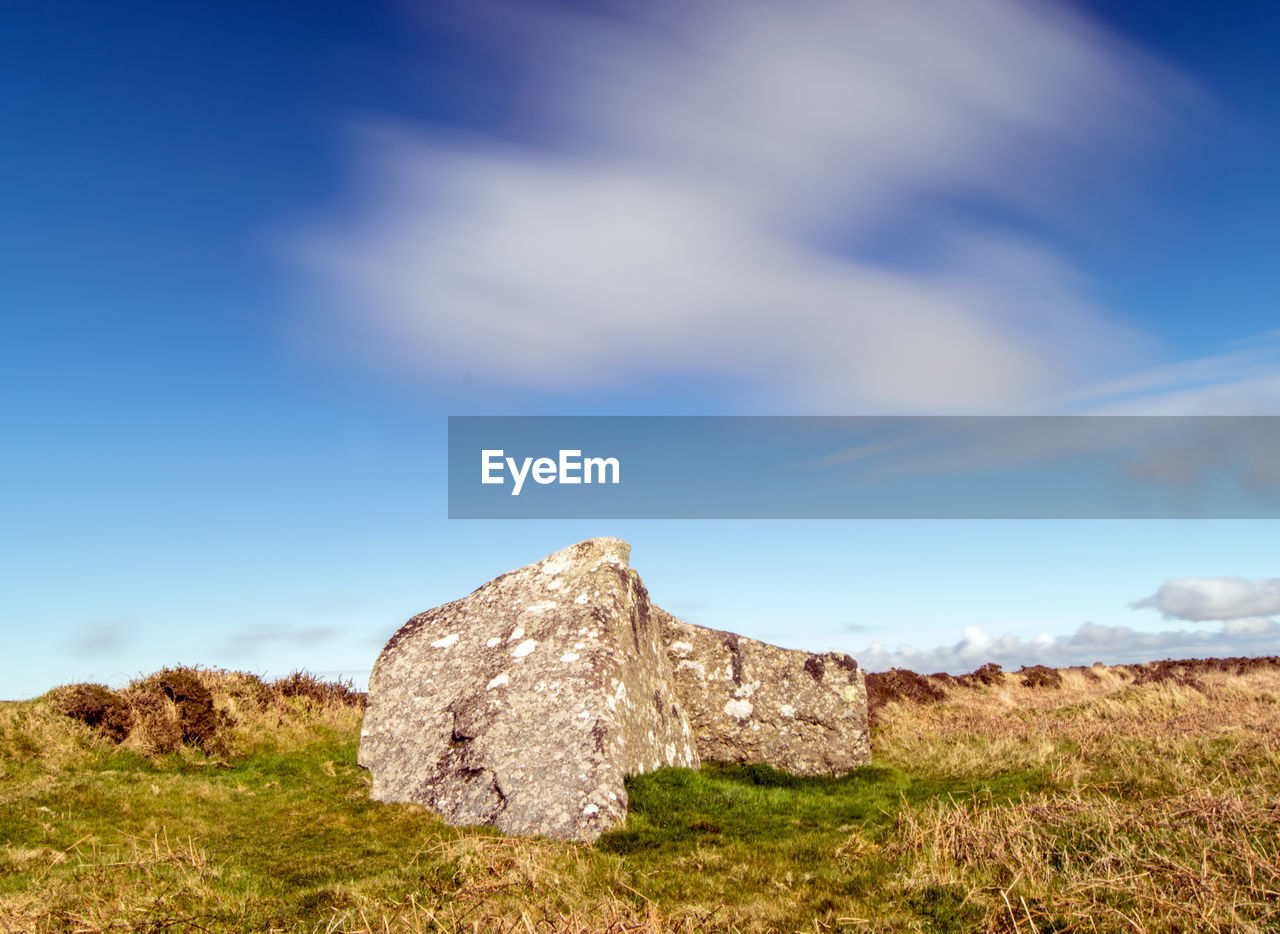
1160 734
518 885
1188 862
1163 811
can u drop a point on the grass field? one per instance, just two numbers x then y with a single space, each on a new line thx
1107 799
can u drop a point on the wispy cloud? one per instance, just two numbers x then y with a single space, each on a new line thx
101 637
253 637
709 197
1090 643
1243 379
1215 598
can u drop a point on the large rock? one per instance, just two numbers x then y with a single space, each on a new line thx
525 704
750 701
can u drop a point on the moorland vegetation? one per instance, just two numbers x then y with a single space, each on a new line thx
1142 798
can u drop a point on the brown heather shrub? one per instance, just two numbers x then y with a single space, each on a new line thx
176 709
325 693
1176 674
214 711
902 685
157 726
98 706
1090 673
1189 672
245 690
989 674
199 720
1038 676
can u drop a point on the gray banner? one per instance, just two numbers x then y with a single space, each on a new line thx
727 467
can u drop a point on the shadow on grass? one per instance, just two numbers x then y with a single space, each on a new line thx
723 801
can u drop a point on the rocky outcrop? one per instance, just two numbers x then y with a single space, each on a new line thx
750 701
525 704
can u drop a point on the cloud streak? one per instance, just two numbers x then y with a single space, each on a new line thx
254 637
1243 379
711 194
101 637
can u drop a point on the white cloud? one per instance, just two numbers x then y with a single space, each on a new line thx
1090 643
1215 598
707 203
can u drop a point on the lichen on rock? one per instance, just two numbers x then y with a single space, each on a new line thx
749 701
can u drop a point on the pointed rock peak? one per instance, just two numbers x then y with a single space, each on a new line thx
589 554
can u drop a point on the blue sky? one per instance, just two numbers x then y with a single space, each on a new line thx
255 254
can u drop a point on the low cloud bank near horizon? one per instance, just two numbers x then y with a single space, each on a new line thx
710 193
1111 645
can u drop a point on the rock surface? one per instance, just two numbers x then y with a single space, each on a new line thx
525 704
749 701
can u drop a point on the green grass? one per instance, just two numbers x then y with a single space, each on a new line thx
758 806
1101 807
291 840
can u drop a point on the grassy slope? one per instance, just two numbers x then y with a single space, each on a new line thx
1097 805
